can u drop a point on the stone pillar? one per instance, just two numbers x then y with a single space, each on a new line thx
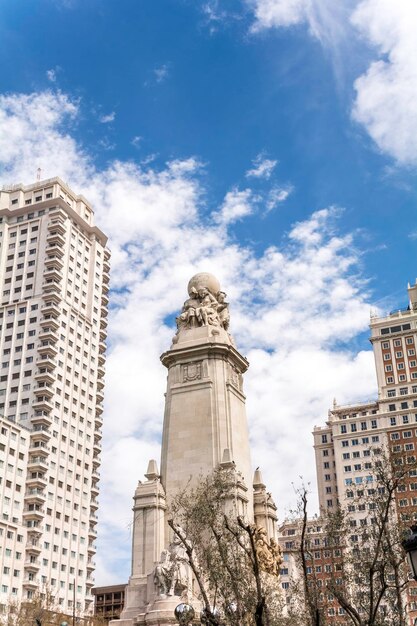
265 510
148 539
205 409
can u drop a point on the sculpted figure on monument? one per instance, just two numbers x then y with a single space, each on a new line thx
187 317
206 312
171 573
206 305
269 553
223 310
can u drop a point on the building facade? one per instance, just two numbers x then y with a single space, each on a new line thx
54 282
109 601
348 447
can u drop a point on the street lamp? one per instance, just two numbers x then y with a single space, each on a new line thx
184 614
410 546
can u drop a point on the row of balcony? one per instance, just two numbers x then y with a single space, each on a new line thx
44 375
47 347
54 262
37 445
45 388
49 322
48 333
36 479
54 237
51 308
53 275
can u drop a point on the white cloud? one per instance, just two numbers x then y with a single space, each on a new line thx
136 141
276 196
326 20
263 167
292 307
237 204
31 134
276 13
106 119
51 75
386 94
161 73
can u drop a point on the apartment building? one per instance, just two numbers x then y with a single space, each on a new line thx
109 601
323 561
344 447
348 447
54 283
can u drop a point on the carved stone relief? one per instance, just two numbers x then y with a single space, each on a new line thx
191 371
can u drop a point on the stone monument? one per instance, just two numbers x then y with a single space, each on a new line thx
205 427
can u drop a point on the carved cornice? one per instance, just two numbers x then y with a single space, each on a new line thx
208 350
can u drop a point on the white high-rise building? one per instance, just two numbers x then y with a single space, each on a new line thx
54 282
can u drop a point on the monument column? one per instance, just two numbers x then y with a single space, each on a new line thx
205 427
205 411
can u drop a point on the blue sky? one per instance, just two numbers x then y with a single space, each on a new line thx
272 142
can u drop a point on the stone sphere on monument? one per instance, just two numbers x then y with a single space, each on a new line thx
204 279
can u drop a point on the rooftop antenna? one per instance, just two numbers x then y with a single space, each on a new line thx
38 173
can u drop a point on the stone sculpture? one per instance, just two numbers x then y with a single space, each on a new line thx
171 573
269 553
206 305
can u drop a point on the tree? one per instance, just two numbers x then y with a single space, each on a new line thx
366 571
42 610
224 553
